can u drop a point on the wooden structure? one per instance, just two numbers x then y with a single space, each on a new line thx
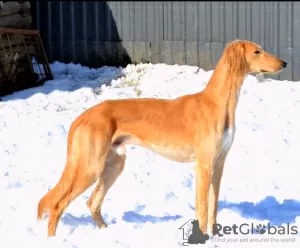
15 14
23 62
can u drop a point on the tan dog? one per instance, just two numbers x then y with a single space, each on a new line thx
198 127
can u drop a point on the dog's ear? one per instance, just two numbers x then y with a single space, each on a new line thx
235 57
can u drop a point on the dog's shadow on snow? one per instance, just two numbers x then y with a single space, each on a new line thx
85 220
134 217
269 209
71 220
129 216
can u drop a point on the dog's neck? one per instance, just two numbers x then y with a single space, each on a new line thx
224 88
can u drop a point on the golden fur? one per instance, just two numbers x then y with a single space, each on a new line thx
198 127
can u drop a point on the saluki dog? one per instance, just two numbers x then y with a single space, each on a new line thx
196 128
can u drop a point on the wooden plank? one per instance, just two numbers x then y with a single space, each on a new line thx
11 7
9 20
24 6
14 7
25 13
18 31
14 21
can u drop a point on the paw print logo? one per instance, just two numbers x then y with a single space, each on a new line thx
260 229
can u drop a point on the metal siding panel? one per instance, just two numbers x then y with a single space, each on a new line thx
215 21
109 26
235 21
96 21
285 47
271 24
176 21
276 32
196 23
222 22
228 23
282 24
49 29
241 20
167 24
148 23
296 30
296 41
125 21
112 22
190 24
158 20
102 20
61 31
183 21
202 27
41 23
36 14
208 20
138 20
119 20
84 31
168 32
248 11
260 28
73 38
265 24
156 36
78 20
88 23
131 22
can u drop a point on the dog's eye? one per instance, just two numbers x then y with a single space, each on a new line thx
257 52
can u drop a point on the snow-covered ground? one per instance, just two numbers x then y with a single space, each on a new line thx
260 183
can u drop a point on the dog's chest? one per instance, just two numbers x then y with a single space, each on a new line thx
227 139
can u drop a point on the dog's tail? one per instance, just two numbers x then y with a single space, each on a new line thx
54 196
66 182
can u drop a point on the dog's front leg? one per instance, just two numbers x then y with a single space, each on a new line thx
204 167
214 192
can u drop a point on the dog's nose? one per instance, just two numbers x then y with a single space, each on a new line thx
283 64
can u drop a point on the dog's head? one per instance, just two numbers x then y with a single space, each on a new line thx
247 56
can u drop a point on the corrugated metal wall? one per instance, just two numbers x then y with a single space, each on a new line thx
194 33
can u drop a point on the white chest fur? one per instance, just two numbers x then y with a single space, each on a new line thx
227 139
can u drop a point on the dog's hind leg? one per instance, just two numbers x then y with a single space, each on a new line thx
114 166
57 211
85 163
83 179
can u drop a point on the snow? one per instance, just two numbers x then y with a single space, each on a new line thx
153 197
